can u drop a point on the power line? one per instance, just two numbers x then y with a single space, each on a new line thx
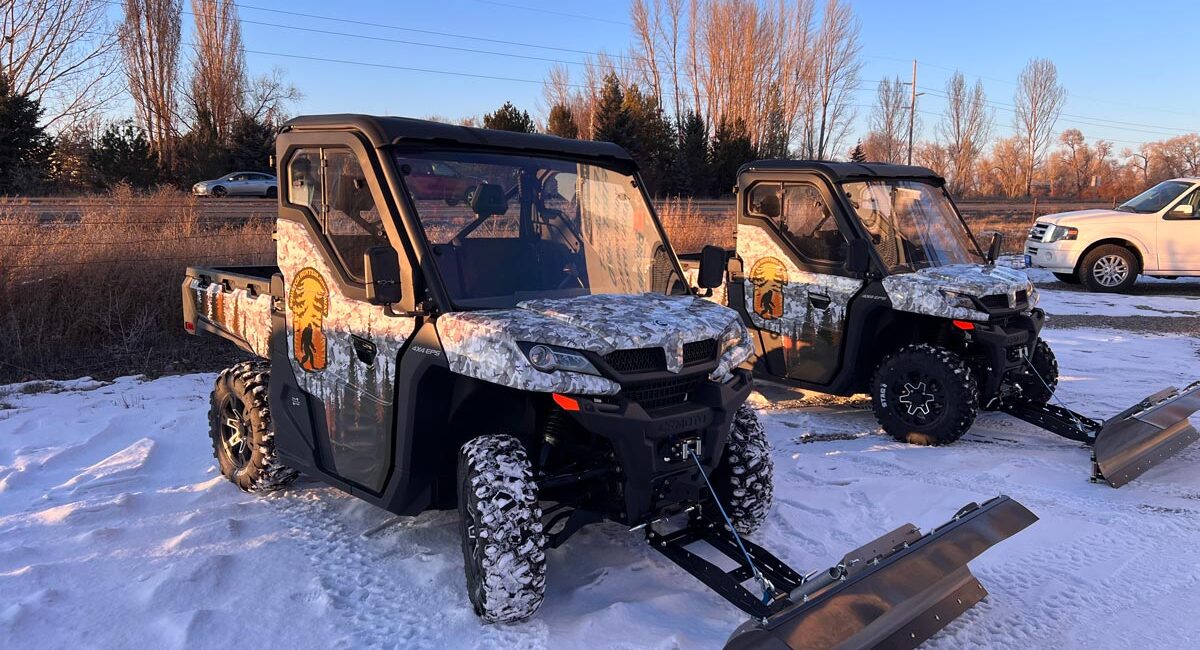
548 11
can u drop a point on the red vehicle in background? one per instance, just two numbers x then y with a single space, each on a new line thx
437 180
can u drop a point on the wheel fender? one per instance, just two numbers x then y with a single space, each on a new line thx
1126 239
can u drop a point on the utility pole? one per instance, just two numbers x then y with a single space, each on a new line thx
912 112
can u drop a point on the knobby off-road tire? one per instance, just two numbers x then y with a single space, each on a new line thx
1103 267
1067 278
744 479
1034 390
239 422
924 395
501 524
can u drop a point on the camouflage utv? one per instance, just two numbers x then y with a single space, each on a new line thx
864 278
524 348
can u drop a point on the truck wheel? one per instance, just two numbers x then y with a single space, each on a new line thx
1067 278
1109 269
1033 389
924 395
501 524
240 426
744 479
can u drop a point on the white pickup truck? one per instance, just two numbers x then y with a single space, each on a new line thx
1156 233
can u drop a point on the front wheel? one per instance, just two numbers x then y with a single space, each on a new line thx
924 395
1040 377
501 524
219 191
272 193
1109 269
744 480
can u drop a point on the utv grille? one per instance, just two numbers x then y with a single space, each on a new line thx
661 394
639 360
1000 301
699 351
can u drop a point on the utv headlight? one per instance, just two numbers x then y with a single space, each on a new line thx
731 337
549 358
1061 233
959 300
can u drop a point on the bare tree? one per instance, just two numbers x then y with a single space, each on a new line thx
646 16
150 39
887 141
965 128
268 97
836 76
61 54
1039 101
218 83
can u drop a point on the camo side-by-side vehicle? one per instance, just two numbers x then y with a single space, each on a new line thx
526 349
864 278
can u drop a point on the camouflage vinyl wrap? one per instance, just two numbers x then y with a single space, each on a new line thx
483 344
924 291
246 317
321 321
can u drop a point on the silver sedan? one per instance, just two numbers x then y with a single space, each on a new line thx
239 184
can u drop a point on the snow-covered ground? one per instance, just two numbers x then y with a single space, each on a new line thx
116 531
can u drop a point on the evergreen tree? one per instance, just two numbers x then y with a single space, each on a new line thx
561 122
731 148
122 154
251 144
652 143
24 147
509 118
691 158
775 138
610 120
201 154
858 154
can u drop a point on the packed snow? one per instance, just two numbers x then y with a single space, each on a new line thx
117 531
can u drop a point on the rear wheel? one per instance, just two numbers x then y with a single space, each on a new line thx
240 427
501 524
1068 278
744 480
1108 269
924 395
1039 388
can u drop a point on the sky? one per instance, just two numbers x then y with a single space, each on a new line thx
1125 65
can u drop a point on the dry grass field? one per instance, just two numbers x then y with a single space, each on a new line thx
91 286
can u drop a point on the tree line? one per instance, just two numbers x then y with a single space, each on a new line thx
197 113
702 87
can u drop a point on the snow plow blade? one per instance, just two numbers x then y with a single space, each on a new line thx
1145 434
895 592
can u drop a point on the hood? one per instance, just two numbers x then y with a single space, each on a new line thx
484 344
1076 217
925 291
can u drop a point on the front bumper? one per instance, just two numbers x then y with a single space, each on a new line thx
1060 256
655 479
1004 345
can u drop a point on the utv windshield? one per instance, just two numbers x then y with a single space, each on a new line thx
508 228
912 224
1155 198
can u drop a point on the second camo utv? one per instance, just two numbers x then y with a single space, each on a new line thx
524 348
864 278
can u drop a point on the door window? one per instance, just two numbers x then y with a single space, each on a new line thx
808 223
352 221
305 187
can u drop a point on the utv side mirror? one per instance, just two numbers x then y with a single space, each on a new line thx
712 267
382 268
995 247
858 256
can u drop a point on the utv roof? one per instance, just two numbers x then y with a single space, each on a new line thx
384 131
844 171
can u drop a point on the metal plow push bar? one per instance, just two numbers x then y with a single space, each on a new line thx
1131 442
894 592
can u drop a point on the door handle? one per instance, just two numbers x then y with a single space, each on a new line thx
818 300
363 349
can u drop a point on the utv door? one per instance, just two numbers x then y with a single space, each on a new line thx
796 287
342 349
